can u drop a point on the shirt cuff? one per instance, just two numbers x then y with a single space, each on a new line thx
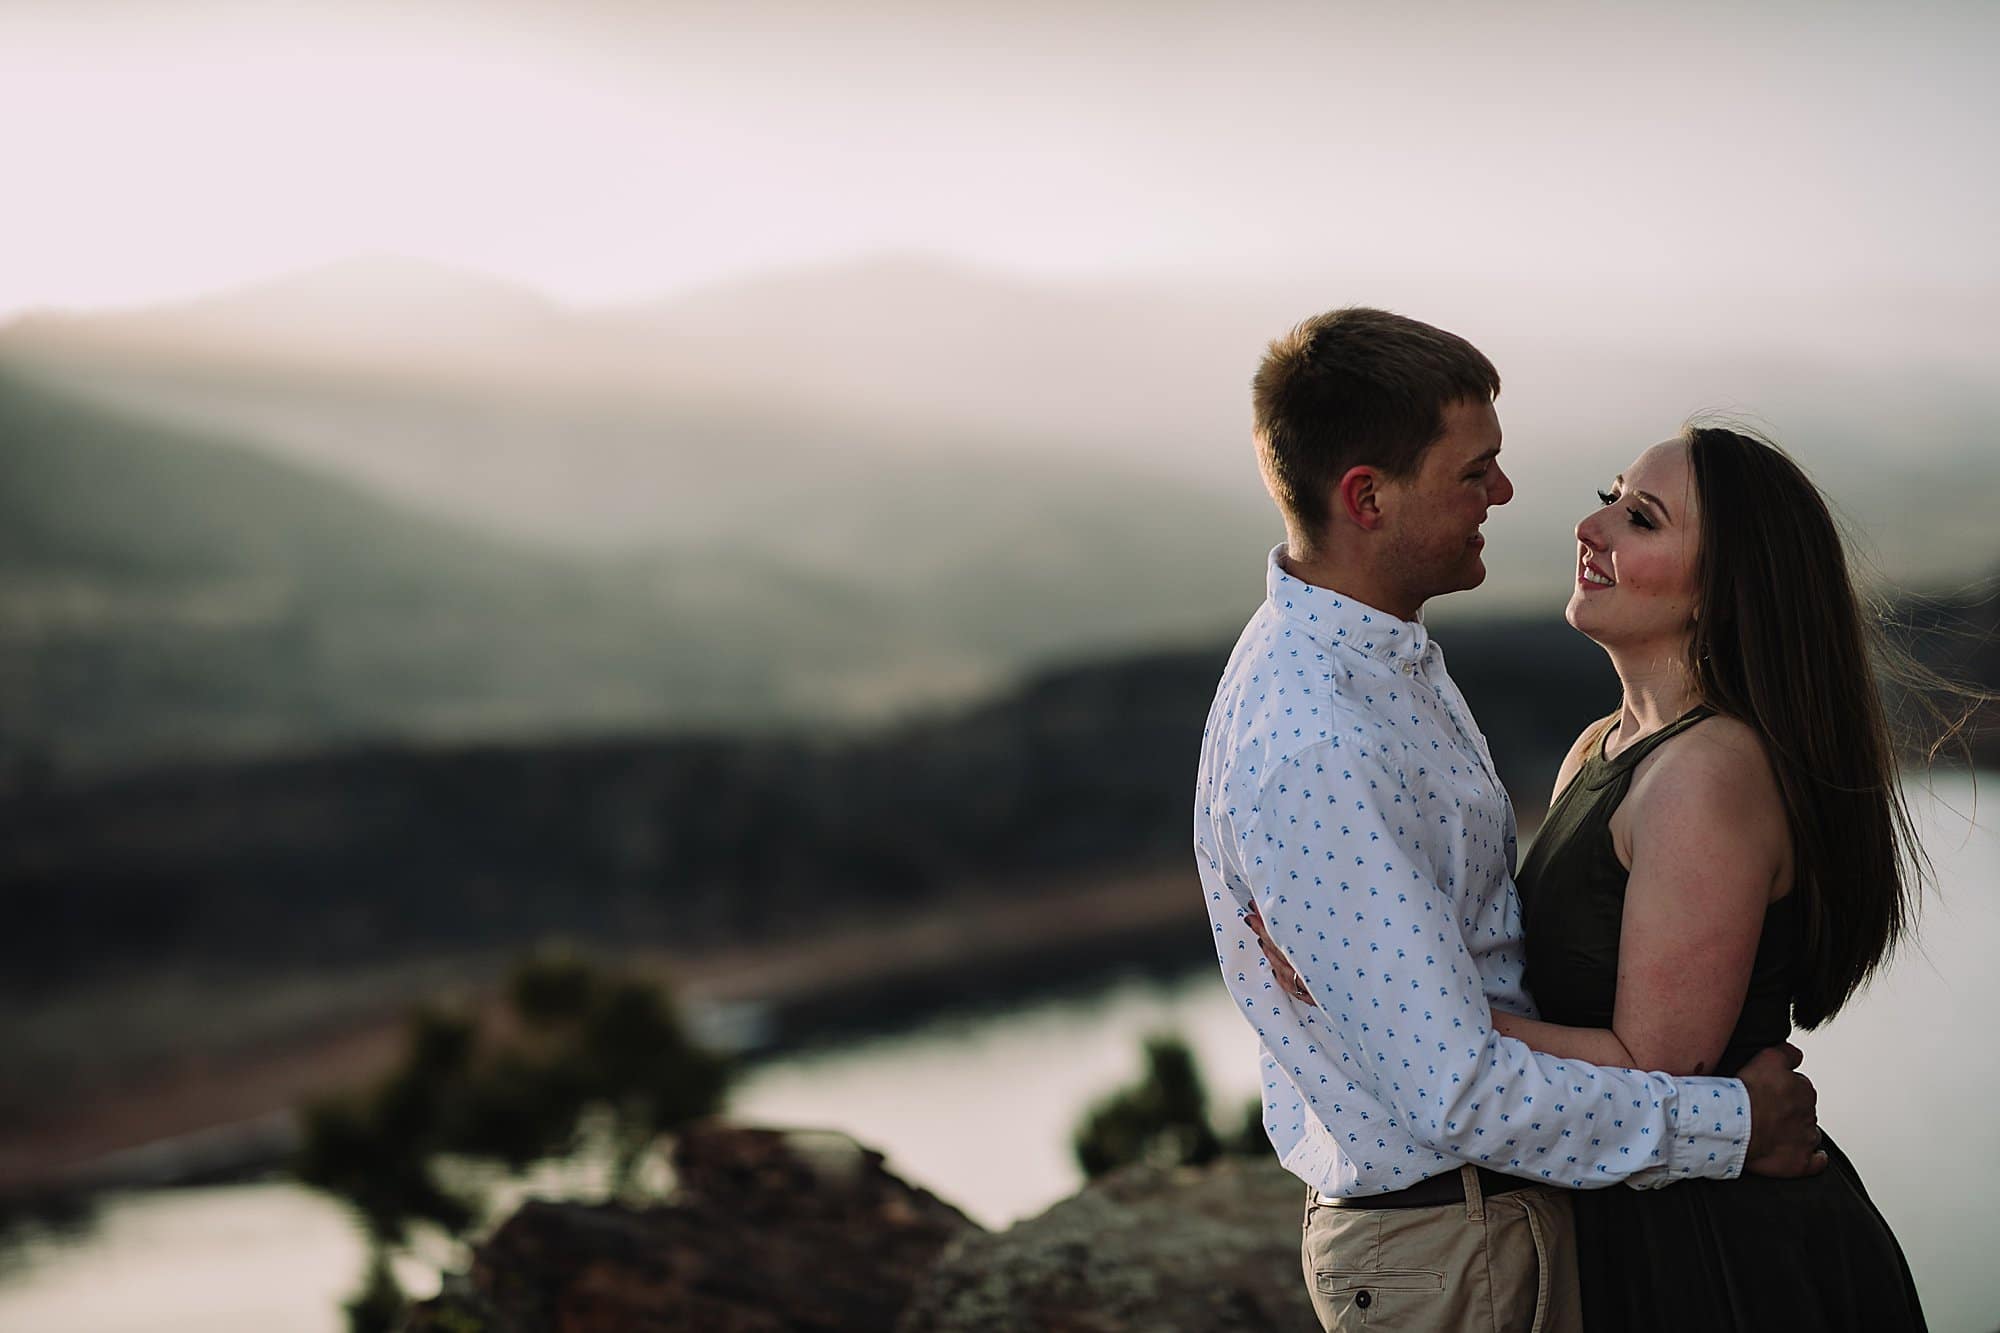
1709 1124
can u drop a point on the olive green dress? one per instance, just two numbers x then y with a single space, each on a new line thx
1750 1254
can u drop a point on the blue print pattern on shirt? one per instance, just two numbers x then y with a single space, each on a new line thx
1345 791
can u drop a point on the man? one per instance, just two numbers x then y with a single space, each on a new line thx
1357 851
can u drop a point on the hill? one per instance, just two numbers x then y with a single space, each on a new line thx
900 386
165 593
173 590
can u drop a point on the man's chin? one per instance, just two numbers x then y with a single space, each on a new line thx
1462 581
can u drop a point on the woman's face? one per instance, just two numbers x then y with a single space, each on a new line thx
1635 571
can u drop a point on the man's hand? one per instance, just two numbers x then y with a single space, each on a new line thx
1784 1115
1286 975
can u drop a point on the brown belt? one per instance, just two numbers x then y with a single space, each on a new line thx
1430 1193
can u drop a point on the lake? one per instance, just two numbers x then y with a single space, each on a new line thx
1907 1079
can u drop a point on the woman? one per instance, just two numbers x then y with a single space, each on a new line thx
1726 854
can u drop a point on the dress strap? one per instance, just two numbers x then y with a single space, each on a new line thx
1623 762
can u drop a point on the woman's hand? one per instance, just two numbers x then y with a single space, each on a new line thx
1281 967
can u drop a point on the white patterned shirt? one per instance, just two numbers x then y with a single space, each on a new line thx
1344 790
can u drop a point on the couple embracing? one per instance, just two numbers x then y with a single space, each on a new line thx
1559 1095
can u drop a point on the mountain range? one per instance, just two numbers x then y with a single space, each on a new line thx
387 497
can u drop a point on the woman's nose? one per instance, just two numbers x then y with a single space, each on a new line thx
1587 531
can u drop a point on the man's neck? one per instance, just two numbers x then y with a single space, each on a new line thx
1350 578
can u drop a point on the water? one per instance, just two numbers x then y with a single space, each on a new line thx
980 1110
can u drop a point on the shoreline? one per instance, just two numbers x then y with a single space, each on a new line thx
219 1116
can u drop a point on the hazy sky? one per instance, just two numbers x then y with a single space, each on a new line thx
608 152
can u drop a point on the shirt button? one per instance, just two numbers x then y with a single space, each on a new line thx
1362 1300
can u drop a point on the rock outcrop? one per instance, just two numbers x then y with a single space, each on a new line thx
1210 1249
770 1230
767 1230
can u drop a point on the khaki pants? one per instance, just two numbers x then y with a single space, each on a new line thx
1501 1265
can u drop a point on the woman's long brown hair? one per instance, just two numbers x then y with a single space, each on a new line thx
1780 642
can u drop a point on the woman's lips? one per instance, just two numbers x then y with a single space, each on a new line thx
1585 569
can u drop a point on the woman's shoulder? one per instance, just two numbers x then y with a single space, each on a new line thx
1719 764
1718 745
1709 795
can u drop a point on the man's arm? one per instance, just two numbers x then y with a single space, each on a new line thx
1784 1120
1784 1107
1332 851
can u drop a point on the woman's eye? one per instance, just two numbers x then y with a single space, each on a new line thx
1606 498
1639 520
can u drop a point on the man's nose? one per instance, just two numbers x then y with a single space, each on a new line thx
1499 486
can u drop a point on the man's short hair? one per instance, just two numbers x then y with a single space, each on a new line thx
1355 387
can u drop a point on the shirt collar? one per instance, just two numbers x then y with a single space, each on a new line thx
1335 618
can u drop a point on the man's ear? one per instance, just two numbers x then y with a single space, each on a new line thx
1360 497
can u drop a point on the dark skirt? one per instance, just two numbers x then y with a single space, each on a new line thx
1752 1254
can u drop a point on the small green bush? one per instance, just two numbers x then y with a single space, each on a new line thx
576 1045
1163 1118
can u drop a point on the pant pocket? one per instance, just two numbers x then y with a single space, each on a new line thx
1393 1269
1541 1238
1380 1298
1340 1281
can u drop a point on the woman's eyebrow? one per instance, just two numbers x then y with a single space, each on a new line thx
1647 496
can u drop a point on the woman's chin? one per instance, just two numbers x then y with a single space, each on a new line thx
1577 613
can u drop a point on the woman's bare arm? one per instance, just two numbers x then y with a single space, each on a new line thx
1593 1046
1704 836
